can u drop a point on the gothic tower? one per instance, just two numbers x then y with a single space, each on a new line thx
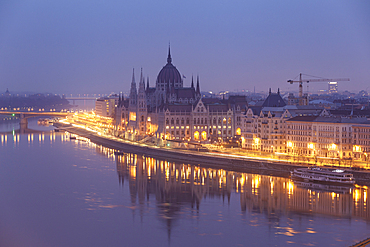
142 106
197 91
132 108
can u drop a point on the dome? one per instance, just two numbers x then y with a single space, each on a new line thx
169 75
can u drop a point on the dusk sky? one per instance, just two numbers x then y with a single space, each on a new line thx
92 46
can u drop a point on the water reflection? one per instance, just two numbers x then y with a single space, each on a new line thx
177 185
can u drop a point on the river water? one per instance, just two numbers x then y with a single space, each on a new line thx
60 192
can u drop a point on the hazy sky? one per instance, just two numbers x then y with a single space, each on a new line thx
91 46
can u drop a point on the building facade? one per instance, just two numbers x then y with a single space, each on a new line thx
105 106
328 137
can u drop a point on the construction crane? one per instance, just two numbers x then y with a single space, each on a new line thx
300 81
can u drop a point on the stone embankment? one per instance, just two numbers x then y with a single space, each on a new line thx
204 159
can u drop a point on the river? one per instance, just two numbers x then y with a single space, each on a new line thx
60 192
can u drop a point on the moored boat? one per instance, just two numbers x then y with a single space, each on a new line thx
323 175
119 153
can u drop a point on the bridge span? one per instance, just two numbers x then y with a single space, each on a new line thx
23 116
73 99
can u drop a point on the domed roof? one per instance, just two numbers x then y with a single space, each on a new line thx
169 73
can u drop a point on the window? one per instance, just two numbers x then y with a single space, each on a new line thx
172 121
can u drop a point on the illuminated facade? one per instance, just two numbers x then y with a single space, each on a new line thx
333 87
266 131
264 127
105 106
328 137
209 119
361 142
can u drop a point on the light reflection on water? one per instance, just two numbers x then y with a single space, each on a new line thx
186 204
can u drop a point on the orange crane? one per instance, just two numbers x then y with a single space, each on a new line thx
300 81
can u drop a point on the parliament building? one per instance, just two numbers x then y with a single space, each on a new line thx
174 112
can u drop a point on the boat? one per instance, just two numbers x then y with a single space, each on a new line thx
119 153
323 175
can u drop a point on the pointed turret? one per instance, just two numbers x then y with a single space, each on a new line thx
147 83
133 76
141 75
198 88
133 92
142 106
141 83
192 82
169 59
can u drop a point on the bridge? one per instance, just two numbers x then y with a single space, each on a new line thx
23 116
73 99
81 98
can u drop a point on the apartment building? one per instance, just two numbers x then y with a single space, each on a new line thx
327 137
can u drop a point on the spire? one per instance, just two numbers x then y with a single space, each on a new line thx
278 91
198 89
133 76
133 92
192 82
147 82
169 59
141 75
270 91
141 83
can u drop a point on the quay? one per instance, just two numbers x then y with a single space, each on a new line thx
362 243
226 161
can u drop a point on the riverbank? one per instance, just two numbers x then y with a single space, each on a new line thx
217 160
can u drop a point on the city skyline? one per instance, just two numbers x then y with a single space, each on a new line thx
92 48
